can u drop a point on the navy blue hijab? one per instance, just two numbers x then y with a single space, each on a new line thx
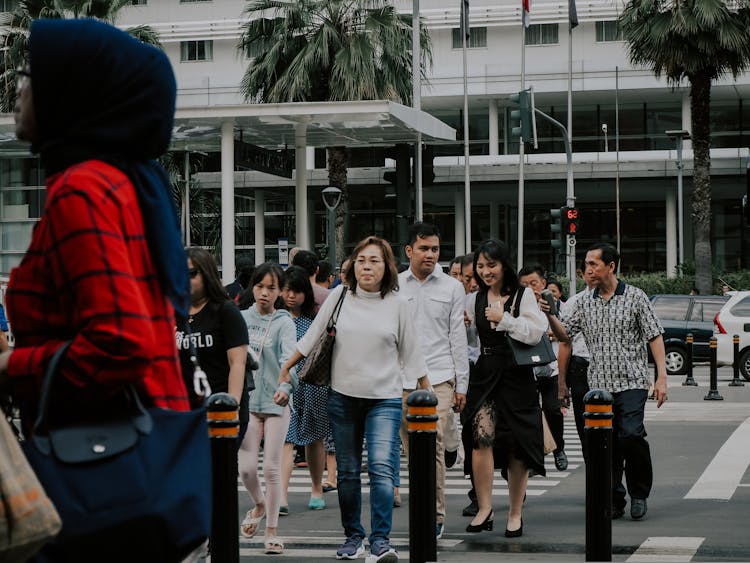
101 94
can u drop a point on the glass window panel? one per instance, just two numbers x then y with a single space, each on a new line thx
671 308
542 34
22 204
608 31
742 309
477 38
16 236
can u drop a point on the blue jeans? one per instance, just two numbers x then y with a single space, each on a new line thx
378 421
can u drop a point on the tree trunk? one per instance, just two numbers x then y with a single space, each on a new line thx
700 97
338 163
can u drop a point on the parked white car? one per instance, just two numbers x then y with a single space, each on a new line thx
734 318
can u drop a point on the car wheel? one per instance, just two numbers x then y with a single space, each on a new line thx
676 360
745 364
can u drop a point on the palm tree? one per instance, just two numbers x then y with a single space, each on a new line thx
15 27
701 41
329 50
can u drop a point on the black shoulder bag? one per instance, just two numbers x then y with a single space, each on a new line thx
539 354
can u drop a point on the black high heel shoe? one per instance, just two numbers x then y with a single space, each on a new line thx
488 523
514 533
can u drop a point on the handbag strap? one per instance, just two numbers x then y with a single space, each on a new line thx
516 306
201 387
142 420
336 311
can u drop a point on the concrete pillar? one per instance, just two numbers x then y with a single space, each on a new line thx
300 192
494 128
506 136
227 201
460 223
260 226
311 158
671 231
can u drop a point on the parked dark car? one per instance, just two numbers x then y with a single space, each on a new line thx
684 314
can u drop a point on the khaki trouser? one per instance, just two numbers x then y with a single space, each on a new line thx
444 393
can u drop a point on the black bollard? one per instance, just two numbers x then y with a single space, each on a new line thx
598 437
689 380
736 363
421 421
713 392
223 429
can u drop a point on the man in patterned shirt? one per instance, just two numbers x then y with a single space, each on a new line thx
617 321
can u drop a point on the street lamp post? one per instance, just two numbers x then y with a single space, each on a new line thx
331 198
679 136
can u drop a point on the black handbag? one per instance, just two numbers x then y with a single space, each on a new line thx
532 355
317 368
135 487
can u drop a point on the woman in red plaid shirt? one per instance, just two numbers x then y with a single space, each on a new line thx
105 267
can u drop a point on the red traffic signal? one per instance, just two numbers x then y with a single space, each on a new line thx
570 221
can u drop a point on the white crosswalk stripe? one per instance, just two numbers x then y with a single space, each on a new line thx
456 484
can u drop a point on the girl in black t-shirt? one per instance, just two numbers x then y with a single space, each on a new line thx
218 332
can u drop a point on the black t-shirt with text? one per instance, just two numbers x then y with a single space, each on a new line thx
215 329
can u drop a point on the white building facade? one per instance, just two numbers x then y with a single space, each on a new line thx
614 106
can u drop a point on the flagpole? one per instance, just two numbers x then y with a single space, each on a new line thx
617 157
416 69
521 202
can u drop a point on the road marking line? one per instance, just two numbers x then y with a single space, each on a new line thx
666 549
724 473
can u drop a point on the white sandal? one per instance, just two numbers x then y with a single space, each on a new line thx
250 525
273 546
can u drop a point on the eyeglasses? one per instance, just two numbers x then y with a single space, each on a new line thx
193 272
371 261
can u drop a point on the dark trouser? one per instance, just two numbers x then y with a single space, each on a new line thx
578 384
630 450
547 387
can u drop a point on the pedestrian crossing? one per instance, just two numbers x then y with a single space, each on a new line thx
456 484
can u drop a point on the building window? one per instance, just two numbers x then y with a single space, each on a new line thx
138 2
196 50
8 5
542 34
188 1
477 38
608 31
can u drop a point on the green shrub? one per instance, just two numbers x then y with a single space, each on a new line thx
658 282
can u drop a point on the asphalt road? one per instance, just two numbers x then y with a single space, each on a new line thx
686 435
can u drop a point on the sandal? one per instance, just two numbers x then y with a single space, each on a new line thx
328 487
274 546
251 524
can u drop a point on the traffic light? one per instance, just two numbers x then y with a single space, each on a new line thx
570 221
555 227
522 120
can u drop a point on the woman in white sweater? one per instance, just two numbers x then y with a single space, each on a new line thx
375 342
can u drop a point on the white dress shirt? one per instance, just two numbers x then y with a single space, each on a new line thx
437 307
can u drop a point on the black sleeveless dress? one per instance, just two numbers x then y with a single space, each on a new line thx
512 390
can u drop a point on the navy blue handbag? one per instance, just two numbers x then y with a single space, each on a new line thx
133 488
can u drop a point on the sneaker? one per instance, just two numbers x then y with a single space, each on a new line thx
439 527
382 552
352 548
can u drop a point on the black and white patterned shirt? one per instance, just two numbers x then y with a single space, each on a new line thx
617 332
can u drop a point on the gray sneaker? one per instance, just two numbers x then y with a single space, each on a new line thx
382 552
352 548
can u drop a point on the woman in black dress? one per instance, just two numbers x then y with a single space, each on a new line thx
502 402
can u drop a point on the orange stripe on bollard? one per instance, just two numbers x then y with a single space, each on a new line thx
598 408
712 343
228 432
422 425
221 415
599 422
421 410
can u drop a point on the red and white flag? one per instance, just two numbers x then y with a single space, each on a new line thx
525 13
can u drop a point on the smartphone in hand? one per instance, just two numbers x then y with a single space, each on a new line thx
551 301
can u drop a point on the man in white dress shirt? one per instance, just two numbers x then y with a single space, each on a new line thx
437 303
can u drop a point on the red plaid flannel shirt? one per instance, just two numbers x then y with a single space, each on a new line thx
88 276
